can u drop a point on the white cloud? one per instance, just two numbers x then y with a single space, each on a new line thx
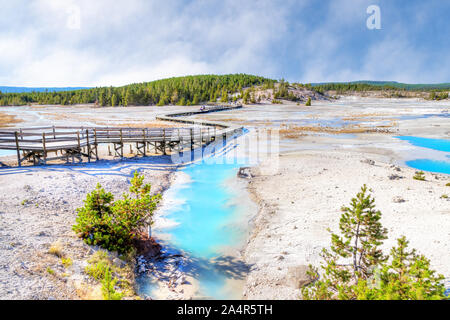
138 40
130 41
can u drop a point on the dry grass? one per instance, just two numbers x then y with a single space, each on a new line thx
366 115
293 135
56 249
6 120
230 119
289 131
87 291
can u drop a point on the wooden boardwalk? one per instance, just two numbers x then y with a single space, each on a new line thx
38 145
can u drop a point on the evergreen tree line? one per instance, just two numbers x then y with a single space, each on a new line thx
388 86
189 90
282 92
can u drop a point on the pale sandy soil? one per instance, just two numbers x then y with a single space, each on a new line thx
38 208
319 172
88 115
304 198
300 193
38 204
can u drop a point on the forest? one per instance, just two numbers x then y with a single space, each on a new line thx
188 90
201 89
378 86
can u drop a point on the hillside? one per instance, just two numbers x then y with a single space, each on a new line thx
38 89
189 90
201 89
379 85
279 91
385 89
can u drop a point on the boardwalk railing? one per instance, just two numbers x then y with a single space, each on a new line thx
41 144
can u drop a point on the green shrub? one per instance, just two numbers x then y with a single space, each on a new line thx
357 269
448 184
113 225
407 277
308 103
108 284
67 262
420 175
97 270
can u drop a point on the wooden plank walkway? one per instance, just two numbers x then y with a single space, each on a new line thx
38 145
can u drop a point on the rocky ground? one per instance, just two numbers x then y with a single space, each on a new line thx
300 196
37 210
291 227
166 271
317 173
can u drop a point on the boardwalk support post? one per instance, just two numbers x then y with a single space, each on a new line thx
44 147
19 161
88 146
164 142
96 144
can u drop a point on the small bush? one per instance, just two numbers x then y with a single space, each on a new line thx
103 270
56 249
113 225
97 270
308 103
444 196
420 175
50 271
98 264
448 184
108 284
67 262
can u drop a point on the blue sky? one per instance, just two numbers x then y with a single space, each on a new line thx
102 42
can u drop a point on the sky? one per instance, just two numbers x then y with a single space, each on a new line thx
103 42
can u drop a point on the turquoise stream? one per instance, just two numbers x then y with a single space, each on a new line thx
429 164
201 220
206 225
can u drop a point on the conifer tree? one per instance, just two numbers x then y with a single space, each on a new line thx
308 103
113 225
113 100
356 267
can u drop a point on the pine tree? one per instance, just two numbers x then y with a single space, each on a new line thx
113 100
407 277
113 225
224 96
246 97
196 100
356 267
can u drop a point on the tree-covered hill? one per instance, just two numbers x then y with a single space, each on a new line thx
199 89
378 85
39 89
189 90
